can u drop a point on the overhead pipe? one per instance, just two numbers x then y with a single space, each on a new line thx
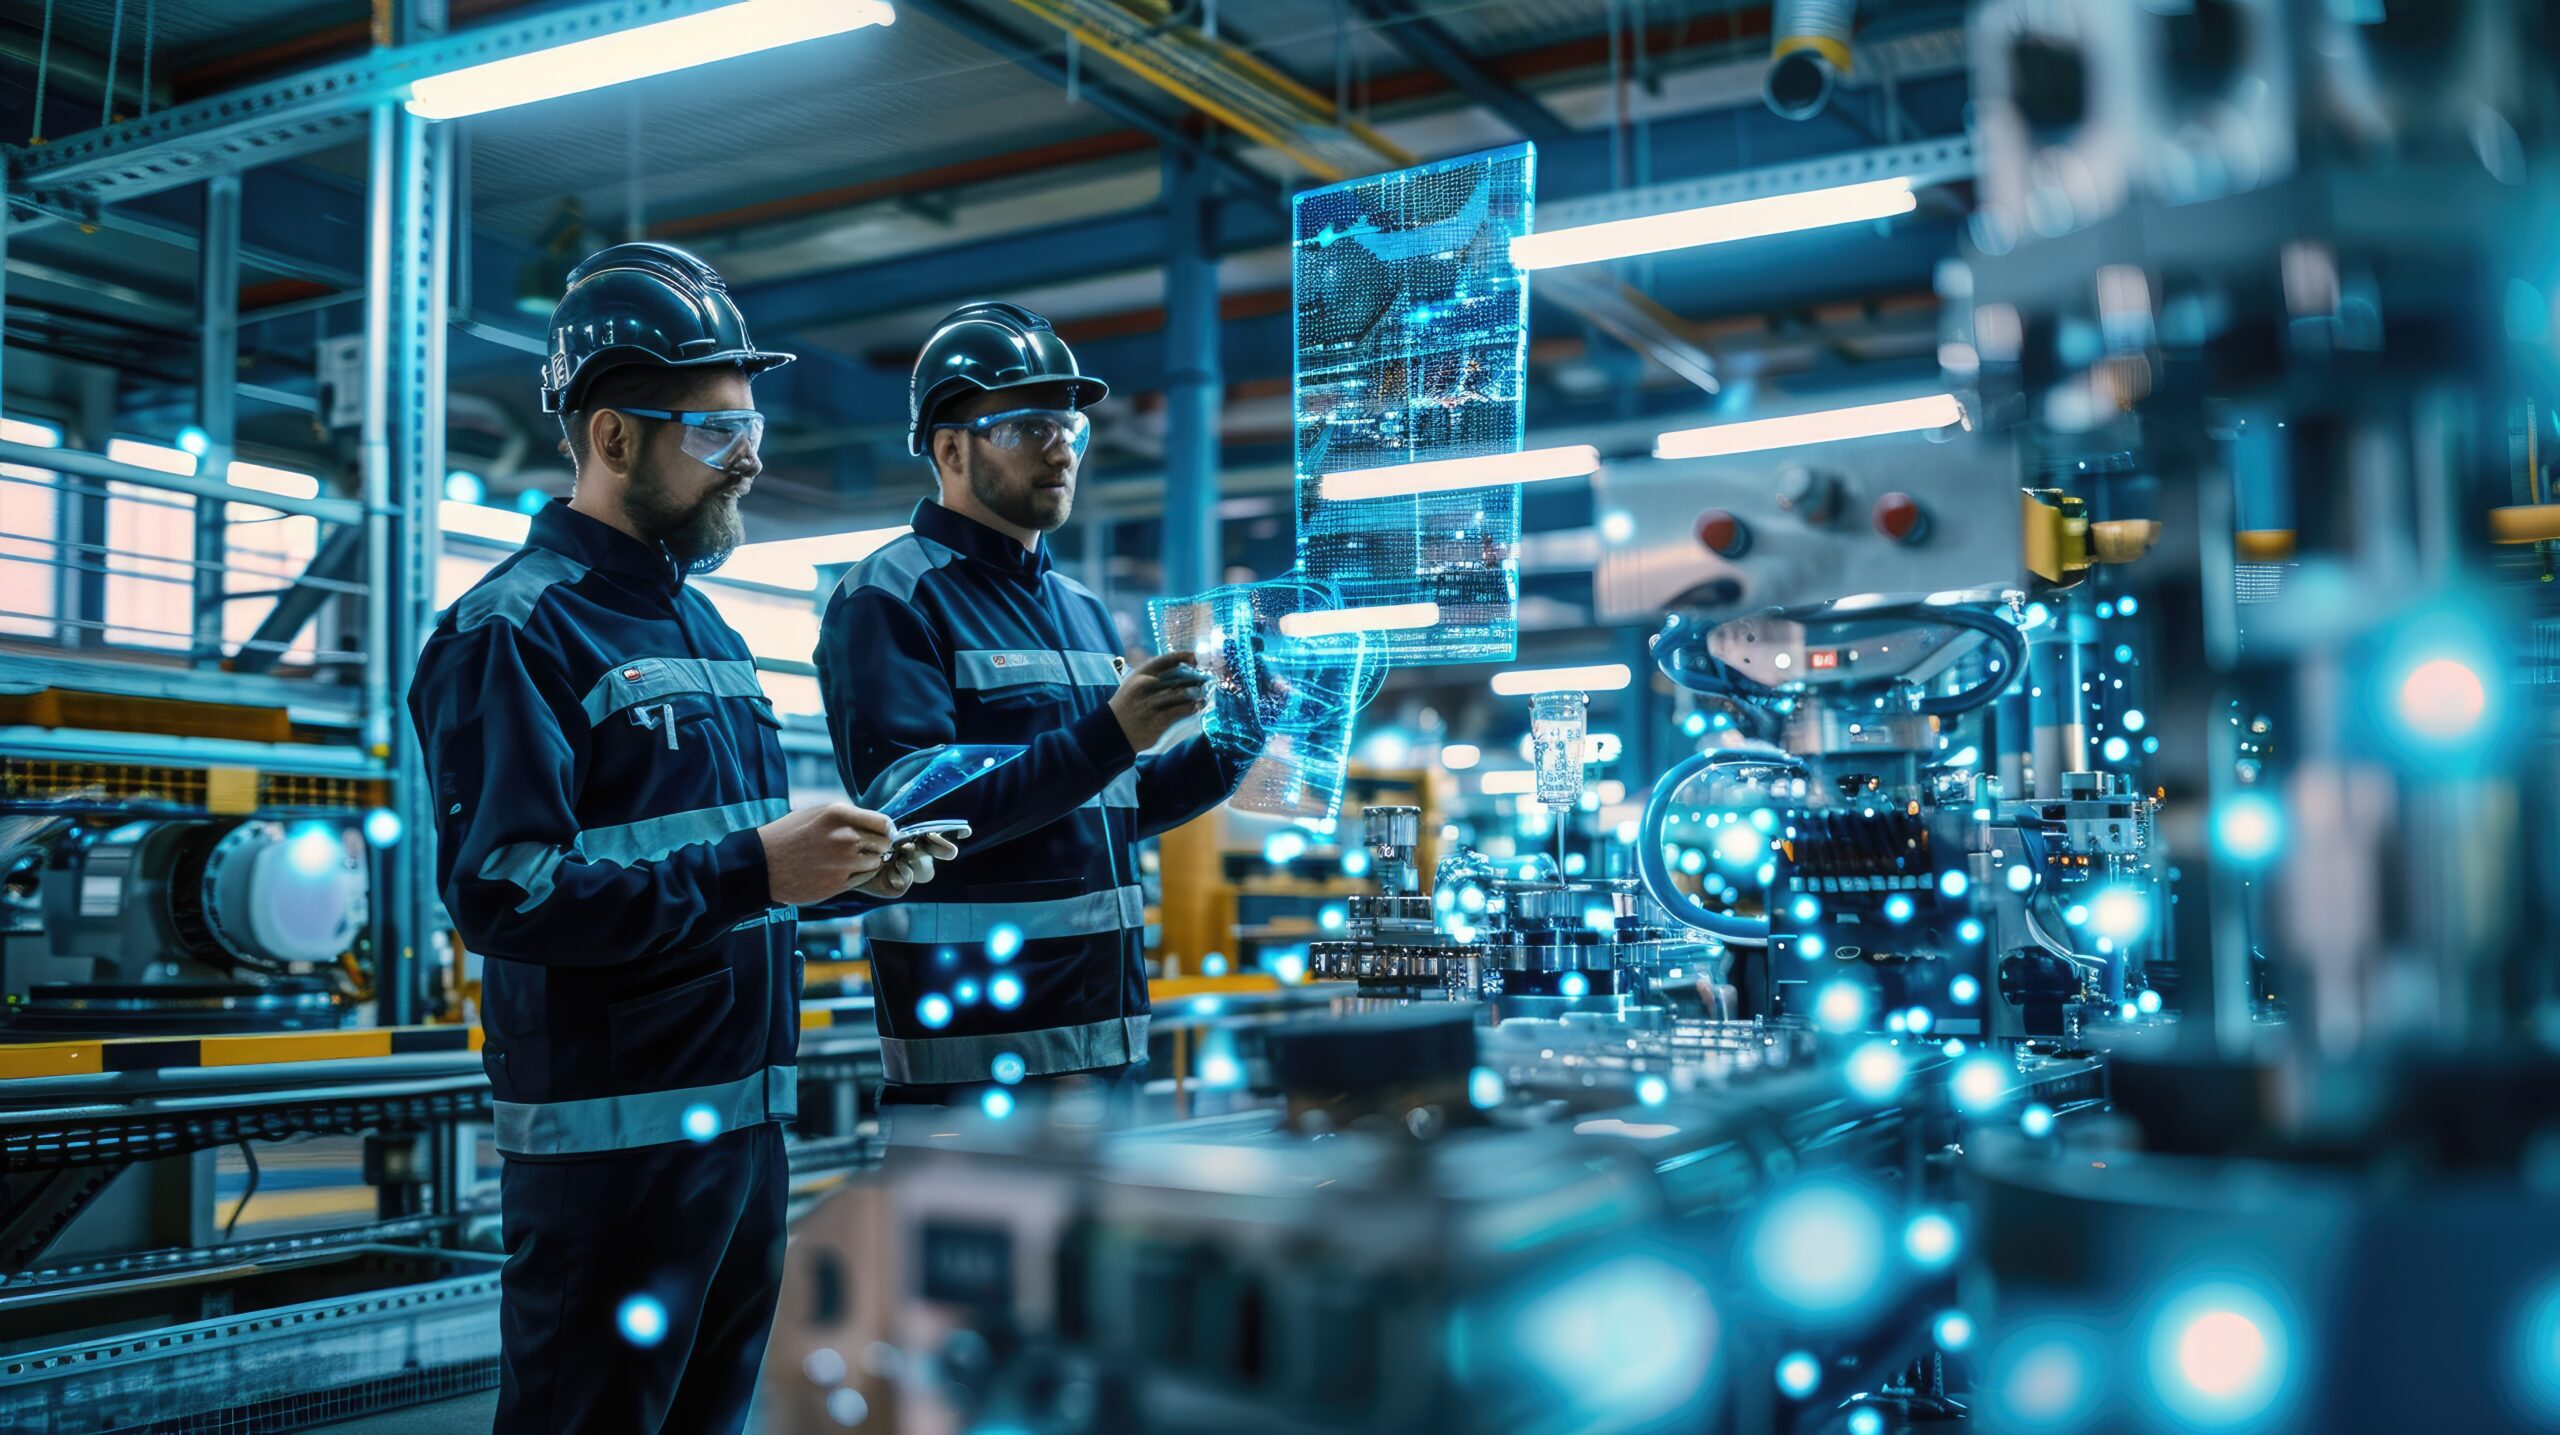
1808 52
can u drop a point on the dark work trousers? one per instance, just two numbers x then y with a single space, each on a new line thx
697 1229
1107 1095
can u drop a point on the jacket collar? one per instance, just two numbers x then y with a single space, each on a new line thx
597 544
971 539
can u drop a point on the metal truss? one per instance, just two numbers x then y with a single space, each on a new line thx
290 117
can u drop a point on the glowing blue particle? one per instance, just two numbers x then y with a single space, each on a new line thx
2151 744
2124 652
195 440
2128 1011
1964 988
1896 1021
642 1321
1809 947
1214 965
1284 847
1799 1374
1981 1083
382 827
997 1103
1355 863
1600 919
2248 827
1930 1240
1969 931
1004 941
1954 883
2037 615
1917 1020
2442 700
2106 610
1573 984
1484 1088
532 500
464 486
965 992
1471 899
1695 724
1841 1006
2020 878
2046 1377
1005 990
2036 1120
2535 1362
314 848
2119 913
1693 862
1819 1247
1865 1420
2128 606
1874 1071
934 1011
1897 908
1764 821
2077 914
2133 720
1954 1330
1008 1068
2219 1356
700 1122
1331 918
1652 1090
1739 846
1805 909
2115 749
2147 1001
1952 1047
1617 527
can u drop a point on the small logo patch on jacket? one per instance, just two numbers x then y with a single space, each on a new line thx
631 675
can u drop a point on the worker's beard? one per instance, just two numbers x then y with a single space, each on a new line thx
1022 502
700 532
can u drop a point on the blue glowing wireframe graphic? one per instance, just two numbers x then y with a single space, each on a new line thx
1282 701
1412 345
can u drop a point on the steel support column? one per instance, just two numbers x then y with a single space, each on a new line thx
217 400
1194 389
407 263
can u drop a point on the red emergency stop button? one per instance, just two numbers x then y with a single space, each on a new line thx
1900 517
1723 534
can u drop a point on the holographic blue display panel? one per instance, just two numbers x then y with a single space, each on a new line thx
1412 345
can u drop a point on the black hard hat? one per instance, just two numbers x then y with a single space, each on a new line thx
988 346
643 304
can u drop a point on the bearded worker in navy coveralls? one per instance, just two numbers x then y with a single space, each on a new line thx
1024 962
615 839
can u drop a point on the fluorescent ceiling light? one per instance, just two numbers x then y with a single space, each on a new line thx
281 481
1459 756
1714 224
1601 678
28 432
793 562
1509 784
1360 620
641 51
1442 474
1864 421
478 520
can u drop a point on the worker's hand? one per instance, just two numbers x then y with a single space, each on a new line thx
817 852
1158 693
911 865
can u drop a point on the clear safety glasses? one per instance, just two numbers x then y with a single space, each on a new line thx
1035 429
722 438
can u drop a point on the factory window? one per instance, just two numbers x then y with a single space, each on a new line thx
265 551
30 504
150 557
775 625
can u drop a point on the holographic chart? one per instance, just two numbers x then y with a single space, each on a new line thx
1279 695
1412 345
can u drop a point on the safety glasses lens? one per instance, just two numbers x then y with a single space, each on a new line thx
1039 430
725 440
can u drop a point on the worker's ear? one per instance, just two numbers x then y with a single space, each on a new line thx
613 440
946 451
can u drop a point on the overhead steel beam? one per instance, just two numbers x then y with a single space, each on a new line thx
292 116
956 17
1426 43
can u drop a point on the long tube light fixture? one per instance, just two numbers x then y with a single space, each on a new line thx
1600 678
1440 475
1318 624
1714 224
793 562
641 51
1862 421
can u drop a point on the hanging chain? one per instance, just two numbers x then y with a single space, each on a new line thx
44 68
115 47
150 31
